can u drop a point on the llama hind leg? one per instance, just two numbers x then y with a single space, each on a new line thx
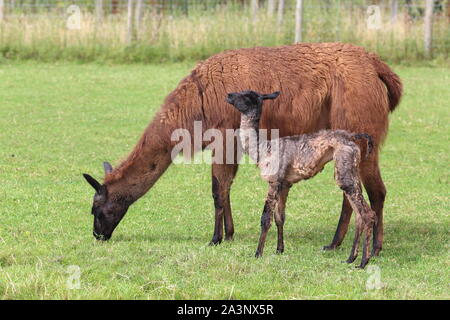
346 174
365 218
373 183
272 202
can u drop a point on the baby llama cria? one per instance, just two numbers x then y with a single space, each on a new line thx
290 159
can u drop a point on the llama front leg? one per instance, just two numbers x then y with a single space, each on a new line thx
356 239
366 244
222 178
270 207
368 217
280 216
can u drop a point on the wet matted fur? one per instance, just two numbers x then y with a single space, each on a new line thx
290 159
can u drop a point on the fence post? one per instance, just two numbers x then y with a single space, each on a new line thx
394 11
428 24
2 10
138 15
298 21
99 10
280 11
338 19
270 7
130 32
254 9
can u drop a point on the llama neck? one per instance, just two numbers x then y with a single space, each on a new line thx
249 135
144 165
153 153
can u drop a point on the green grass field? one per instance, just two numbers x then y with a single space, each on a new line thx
58 121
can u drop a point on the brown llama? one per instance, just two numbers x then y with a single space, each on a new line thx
325 86
288 160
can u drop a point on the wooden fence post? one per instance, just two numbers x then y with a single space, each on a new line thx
394 11
138 15
270 7
254 9
280 12
130 31
2 10
298 21
99 10
428 24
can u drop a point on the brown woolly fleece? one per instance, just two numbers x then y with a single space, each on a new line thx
324 85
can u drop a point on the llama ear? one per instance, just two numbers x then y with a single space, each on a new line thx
271 96
94 183
108 167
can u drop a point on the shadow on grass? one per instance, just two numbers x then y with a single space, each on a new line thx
156 237
406 240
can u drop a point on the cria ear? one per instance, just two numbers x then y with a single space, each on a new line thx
108 167
94 183
271 95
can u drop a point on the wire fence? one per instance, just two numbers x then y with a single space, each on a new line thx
183 29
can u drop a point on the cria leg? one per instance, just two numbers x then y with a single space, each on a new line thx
365 218
346 174
272 202
373 183
344 220
280 216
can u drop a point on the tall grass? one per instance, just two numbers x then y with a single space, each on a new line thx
205 32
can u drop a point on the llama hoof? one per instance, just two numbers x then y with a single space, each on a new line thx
215 242
329 247
361 266
350 260
228 238
258 254
376 252
280 251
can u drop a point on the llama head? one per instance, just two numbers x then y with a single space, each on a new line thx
249 103
107 211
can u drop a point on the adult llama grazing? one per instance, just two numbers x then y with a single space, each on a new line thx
324 85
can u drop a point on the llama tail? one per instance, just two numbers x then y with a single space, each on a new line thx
368 139
390 79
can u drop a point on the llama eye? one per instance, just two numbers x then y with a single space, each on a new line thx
152 166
